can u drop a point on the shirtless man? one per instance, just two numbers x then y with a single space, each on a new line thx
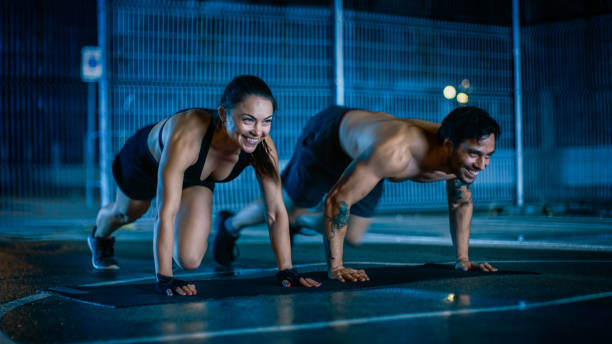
348 153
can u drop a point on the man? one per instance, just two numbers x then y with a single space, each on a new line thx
348 153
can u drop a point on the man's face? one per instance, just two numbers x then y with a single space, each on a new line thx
472 156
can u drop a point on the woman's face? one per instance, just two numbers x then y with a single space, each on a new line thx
249 122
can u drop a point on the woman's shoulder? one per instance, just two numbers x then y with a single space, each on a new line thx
196 118
189 126
201 113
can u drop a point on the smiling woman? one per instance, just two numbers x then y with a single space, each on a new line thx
250 93
179 160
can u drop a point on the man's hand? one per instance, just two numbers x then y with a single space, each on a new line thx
467 265
342 274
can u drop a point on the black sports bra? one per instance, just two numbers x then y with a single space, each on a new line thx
193 172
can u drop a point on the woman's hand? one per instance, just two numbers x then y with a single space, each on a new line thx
169 285
290 277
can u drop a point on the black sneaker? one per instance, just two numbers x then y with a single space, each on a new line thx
102 252
293 230
225 250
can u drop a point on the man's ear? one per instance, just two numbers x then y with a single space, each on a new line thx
448 144
222 114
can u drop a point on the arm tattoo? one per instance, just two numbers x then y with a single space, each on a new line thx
459 190
341 219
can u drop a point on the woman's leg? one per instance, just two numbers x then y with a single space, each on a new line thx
112 216
192 227
116 214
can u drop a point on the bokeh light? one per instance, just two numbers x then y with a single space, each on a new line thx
449 92
462 98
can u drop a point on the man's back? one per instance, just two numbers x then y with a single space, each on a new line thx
411 143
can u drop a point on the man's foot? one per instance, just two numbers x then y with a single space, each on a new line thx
102 252
225 250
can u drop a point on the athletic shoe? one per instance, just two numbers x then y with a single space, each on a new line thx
293 230
225 250
102 252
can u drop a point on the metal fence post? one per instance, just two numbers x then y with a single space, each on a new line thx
518 112
104 129
338 54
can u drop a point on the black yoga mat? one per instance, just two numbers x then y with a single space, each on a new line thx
127 295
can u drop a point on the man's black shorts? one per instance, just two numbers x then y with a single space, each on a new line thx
318 161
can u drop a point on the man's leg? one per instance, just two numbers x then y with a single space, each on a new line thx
229 225
255 214
357 227
251 215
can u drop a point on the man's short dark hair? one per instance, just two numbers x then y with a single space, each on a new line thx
468 122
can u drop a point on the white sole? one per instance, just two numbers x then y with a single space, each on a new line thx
98 267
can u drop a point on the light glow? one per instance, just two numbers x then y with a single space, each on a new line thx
449 92
462 98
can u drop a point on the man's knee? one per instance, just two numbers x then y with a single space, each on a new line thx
357 228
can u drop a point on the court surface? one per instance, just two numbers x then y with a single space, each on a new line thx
565 294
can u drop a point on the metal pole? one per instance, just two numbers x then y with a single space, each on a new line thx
338 55
89 144
104 129
518 112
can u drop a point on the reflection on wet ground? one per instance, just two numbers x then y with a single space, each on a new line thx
569 299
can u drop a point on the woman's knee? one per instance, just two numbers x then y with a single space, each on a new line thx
137 209
190 261
190 256
122 217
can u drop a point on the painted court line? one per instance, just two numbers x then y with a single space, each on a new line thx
540 261
8 306
357 321
551 261
407 239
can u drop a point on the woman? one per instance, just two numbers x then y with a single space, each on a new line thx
188 153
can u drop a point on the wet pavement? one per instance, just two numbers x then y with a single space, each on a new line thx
569 298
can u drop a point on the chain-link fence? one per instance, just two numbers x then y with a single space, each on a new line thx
166 55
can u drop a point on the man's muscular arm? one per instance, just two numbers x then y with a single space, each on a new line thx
460 210
356 182
359 178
